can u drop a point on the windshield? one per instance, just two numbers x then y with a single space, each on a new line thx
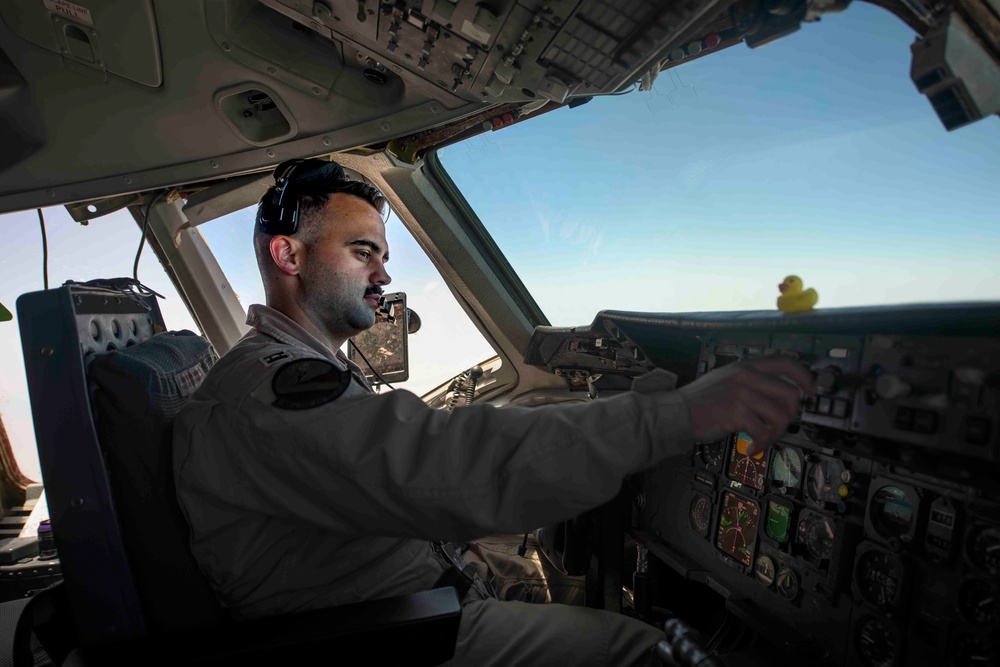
814 155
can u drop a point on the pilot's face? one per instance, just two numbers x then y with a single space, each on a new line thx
344 271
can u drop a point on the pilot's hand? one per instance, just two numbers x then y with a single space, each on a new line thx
759 396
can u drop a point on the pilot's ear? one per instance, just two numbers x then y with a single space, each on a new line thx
286 253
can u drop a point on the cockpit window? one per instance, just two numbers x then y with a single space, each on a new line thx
814 155
75 252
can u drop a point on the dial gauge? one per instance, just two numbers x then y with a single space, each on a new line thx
823 480
701 513
764 570
876 643
786 469
818 534
786 582
971 651
983 548
879 577
891 512
711 454
979 602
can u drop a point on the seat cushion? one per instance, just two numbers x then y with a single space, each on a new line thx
135 394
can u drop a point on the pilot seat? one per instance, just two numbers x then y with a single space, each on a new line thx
105 378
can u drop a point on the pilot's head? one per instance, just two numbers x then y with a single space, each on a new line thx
321 249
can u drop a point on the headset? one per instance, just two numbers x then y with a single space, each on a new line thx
278 209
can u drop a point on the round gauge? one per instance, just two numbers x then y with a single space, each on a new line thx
786 582
764 570
786 470
711 454
983 548
879 577
891 512
701 513
979 602
876 643
971 651
823 480
817 533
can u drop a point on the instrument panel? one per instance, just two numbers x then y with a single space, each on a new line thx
869 534
876 561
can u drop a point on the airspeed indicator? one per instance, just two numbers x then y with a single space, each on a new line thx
701 513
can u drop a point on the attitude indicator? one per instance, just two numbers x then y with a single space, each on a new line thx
744 468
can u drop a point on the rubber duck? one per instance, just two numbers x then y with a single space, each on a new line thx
793 298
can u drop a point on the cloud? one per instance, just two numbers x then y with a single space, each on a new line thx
578 235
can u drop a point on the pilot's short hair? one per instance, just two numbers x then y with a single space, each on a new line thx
312 195
306 185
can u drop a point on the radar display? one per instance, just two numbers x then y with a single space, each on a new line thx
737 528
745 469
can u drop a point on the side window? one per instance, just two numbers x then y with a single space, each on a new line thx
105 248
447 343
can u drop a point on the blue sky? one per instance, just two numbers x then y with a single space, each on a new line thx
812 155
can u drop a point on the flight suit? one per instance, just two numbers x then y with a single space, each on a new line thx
305 490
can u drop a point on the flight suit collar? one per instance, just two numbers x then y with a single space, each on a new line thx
277 325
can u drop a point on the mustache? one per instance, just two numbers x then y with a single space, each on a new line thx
374 290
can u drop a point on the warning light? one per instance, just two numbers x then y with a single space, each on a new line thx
712 41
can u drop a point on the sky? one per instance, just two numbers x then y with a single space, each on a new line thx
813 155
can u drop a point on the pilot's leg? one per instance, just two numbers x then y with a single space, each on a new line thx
495 633
528 578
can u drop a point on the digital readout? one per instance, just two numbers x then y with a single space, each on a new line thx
737 528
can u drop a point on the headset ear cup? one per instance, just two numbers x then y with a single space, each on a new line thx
278 211
274 218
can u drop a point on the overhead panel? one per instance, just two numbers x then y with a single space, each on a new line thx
111 36
253 35
246 83
504 51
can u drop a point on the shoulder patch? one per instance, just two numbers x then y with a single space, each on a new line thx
307 383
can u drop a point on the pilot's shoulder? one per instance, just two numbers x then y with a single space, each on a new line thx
256 362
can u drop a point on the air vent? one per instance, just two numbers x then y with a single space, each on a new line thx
255 114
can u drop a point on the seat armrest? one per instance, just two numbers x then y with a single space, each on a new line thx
416 630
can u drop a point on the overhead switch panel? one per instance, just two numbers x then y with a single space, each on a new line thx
955 72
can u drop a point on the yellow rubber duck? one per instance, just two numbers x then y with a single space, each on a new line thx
793 298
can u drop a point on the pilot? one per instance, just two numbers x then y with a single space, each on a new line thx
304 489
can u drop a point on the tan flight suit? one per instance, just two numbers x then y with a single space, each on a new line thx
305 490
